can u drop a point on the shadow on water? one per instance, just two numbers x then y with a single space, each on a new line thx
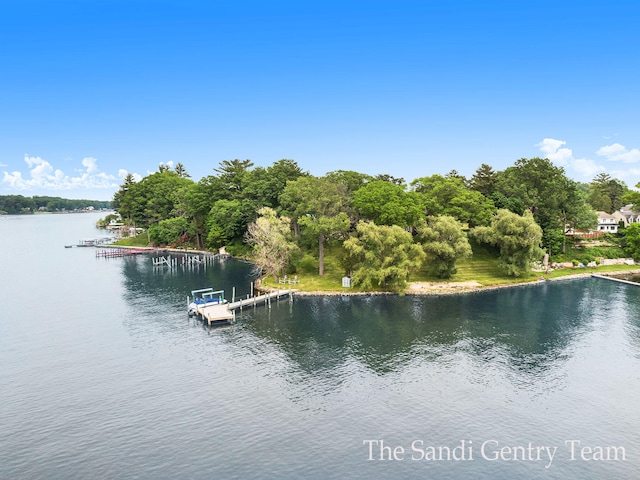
529 327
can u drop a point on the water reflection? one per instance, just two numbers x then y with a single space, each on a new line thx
172 285
529 329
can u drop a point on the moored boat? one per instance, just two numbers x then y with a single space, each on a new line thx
204 297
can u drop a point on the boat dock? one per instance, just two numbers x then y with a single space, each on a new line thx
226 312
120 252
614 279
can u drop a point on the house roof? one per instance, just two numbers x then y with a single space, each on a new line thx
605 215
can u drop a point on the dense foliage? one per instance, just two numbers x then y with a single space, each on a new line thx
17 204
528 206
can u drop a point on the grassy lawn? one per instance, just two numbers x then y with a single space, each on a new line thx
310 281
604 269
481 267
141 240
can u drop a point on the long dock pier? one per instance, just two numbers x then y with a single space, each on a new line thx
226 312
613 279
260 299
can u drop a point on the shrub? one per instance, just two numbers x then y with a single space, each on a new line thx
307 264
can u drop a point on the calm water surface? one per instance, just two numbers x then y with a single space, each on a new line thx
103 375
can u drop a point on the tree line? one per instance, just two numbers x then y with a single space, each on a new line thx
384 226
17 204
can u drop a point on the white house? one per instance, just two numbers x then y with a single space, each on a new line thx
607 223
626 215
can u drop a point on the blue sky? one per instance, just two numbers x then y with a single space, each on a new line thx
91 89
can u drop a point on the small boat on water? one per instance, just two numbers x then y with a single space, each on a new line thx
204 297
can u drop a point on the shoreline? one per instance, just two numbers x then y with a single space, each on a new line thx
440 288
413 288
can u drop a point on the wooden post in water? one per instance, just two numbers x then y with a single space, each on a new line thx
233 295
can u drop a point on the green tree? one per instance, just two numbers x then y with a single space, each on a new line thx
156 197
317 204
544 190
383 256
169 231
633 198
385 177
387 203
484 180
444 242
181 171
200 198
352 180
606 193
577 214
127 183
631 240
449 196
227 220
234 177
265 185
269 236
517 237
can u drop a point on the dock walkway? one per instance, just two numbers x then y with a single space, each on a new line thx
226 312
614 279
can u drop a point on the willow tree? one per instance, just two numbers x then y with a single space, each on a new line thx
517 237
444 242
269 236
383 256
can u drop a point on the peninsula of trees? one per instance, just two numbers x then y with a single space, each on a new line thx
382 227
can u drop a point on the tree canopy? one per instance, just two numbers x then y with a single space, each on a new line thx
344 207
383 256
444 242
517 237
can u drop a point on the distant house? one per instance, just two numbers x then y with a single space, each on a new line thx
627 215
607 223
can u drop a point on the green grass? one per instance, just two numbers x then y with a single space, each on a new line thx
482 267
140 240
563 272
310 281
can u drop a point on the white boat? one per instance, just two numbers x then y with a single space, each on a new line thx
204 296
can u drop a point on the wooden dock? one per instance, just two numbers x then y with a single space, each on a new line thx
226 312
217 312
614 279
260 299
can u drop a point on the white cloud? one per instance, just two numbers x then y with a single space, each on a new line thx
617 152
90 164
588 168
584 168
43 176
551 148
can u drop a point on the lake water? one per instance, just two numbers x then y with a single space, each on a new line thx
103 375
